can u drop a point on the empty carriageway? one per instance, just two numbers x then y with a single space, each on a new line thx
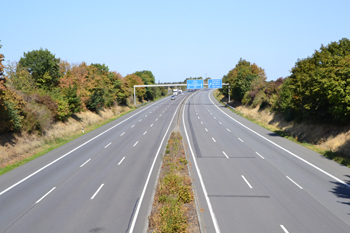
247 184
96 182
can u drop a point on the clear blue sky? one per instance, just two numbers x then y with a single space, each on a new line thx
174 39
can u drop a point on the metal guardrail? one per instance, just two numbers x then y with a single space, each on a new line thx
229 106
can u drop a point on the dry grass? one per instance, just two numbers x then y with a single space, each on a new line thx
173 207
327 137
330 140
16 147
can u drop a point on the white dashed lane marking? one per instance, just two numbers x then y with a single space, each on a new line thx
260 155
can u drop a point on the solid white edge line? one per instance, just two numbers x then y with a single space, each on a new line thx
93 196
260 155
284 229
121 161
108 145
45 195
240 139
135 144
275 144
212 214
225 154
247 182
149 175
39 170
294 182
85 163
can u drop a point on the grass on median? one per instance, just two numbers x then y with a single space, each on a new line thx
173 207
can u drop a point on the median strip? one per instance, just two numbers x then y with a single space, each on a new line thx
173 207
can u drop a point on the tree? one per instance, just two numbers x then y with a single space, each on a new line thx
1 65
148 79
43 66
241 77
320 84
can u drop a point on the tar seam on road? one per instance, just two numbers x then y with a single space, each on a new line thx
291 153
93 196
45 195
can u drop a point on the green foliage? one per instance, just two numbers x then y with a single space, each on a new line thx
147 79
320 84
101 68
241 77
74 101
96 101
43 66
1 65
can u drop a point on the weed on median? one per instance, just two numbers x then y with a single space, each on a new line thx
173 207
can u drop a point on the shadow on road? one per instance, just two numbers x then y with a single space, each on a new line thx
342 191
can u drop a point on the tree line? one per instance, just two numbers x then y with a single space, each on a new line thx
41 89
317 90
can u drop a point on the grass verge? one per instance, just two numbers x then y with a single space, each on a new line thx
59 141
337 157
173 207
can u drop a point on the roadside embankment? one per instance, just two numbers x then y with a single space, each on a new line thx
17 149
174 207
329 140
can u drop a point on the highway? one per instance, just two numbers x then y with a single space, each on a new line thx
247 179
100 182
250 180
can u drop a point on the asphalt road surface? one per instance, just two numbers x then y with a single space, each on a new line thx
251 180
247 178
100 182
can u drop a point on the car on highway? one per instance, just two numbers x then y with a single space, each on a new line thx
172 97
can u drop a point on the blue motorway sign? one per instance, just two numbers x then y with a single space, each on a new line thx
195 84
214 83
